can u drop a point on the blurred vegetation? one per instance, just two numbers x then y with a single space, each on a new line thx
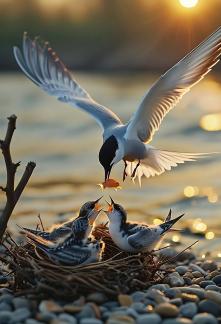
116 34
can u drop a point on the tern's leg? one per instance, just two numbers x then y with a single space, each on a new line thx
125 173
135 170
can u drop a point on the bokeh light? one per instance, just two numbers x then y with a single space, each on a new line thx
211 122
188 3
209 235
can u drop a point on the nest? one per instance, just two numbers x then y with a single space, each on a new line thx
118 272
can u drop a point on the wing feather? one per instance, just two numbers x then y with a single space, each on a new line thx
171 87
42 65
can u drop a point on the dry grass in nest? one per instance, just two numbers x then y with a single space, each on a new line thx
118 272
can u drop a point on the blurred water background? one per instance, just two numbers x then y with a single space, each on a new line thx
64 142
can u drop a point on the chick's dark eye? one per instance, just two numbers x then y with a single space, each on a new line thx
117 207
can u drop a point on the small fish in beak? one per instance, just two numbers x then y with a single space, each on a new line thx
110 183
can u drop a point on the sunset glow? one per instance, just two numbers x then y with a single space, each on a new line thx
188 3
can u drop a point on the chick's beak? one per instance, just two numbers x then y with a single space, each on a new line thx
97 206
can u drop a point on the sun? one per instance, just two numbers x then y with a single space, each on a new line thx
188 3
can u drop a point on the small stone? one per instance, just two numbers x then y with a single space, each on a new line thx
167 310
172 292
189 275
98 298
209 306
45 317
161 287
111 304
87 311
204 318
120 319
195 291
189 297
149 319
50 306
214 296
214 273
125 300
20 302
175 280
181 270
5 316
7 298
67 318
32 321
209 265
5 307
213 287
19 315
197 274
176 301
217 280
70 308
179 320
157 296
188 310
138 296
206 283
139 307
197 280
195 267
90 321
187 281
133 313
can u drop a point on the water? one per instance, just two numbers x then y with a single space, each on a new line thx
64 142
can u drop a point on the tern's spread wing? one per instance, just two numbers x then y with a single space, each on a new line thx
140 239
170 88
45 69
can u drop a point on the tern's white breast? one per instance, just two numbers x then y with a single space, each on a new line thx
118 238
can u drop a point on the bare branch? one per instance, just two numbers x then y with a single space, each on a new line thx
12 194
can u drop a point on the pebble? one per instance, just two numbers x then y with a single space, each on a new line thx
173 292
161 287
32 321
5 317
5 307
167 310
213 287
125 300
19 315
189 297
217 280
157 296
188 310
149 319
197 274
50 306
179 320
206 283
139 307
181 270
209 265
215 296
138 296
20 302
175 280
176 301
120 319
195 291
67 318
204 318
98 298
209 306
46 316
195 267
87 311
90 321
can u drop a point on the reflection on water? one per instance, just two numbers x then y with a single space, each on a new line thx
64 142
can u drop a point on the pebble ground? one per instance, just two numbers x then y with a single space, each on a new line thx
191 293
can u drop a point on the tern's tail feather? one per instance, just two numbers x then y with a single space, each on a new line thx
159 161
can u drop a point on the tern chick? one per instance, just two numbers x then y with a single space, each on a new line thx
132 237
80 228
68 252
129 142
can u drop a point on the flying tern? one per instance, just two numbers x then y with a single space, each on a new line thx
129 142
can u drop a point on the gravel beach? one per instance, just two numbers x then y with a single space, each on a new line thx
190 293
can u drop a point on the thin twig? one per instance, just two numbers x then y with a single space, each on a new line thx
12 194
